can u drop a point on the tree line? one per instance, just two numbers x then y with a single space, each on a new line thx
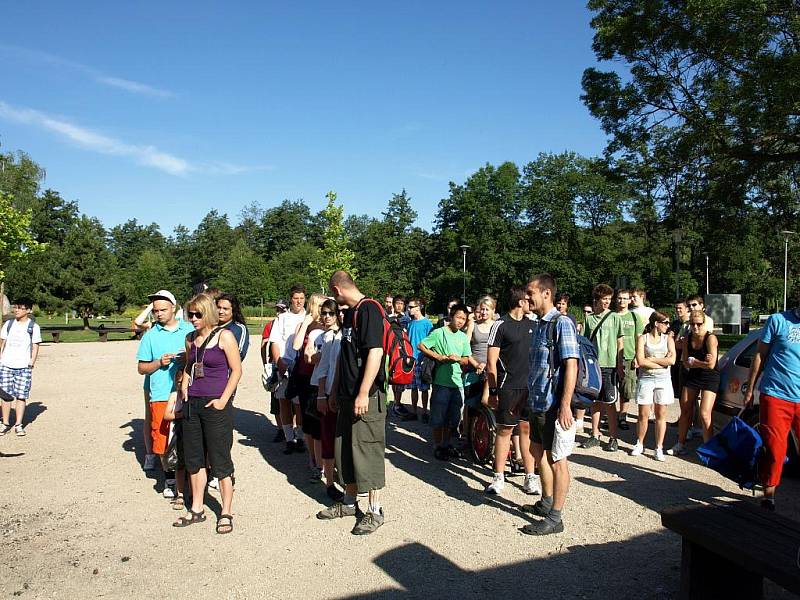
702 158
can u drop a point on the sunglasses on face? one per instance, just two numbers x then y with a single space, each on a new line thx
410 306
697 324
327 313
194 315
664 322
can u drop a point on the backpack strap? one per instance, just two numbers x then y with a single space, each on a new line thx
366 299
551 344
599 325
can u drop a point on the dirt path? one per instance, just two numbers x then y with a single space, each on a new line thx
80 519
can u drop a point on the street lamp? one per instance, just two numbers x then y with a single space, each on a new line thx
786 235
677 235
464 249
706 255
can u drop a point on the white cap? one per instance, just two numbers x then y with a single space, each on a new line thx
162 295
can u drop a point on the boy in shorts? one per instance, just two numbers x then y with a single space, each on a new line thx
19 347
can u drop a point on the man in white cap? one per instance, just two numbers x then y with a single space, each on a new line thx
161 353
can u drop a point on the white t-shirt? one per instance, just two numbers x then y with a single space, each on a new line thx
644 312
283 328
17 348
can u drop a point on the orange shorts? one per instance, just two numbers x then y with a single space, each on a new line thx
159 428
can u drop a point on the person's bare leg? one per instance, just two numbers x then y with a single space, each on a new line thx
688 397
644 418
611 412
414 399
226 491
545 471
528 460
502 442
517 450
597 413
197 481
286 417
318 453
7 417
706 406
327 470
19 410
425 396
661 424
560 480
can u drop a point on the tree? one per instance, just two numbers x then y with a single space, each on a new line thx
283 227
245 275
129 240
211 244
335 253
16 239
20 178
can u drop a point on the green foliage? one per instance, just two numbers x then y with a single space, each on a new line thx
16 239
335 254
246 275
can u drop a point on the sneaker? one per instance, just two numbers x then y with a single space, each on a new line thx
659 455
537 508
150 462
279 436
638 449
611 445
544 527
169 492
336 511
532 484
677 450
368 523
4 429
213 483
315 474
768 504
497 485
426 418
19 430
299 445
623 425
590 442
410 417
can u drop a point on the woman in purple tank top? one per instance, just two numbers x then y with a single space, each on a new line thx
212 372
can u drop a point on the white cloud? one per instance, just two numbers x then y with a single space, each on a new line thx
95 141
44 58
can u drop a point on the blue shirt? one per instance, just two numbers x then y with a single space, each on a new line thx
542 384
155 343
781 373
239 331
418 330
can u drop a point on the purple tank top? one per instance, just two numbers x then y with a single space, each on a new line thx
215 372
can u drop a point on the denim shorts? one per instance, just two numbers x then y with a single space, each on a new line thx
446 404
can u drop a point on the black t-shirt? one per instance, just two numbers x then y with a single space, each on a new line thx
514 340
356 344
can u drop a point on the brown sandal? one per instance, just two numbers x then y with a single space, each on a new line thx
223 528
178 503
196 517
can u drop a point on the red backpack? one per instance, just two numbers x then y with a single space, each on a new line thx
399 364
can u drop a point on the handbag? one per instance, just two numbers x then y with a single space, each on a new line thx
427 368
171 456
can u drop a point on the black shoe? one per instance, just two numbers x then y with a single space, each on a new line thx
279 437
299 445
623 425
768 504
536 508
612 445
290 447
454 453
545 527
441 454
334 493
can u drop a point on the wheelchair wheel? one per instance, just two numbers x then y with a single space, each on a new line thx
481 435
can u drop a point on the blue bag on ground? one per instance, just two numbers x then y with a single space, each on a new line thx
733 452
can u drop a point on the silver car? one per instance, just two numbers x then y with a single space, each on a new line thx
734 370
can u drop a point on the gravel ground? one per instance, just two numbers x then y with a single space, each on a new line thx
79 517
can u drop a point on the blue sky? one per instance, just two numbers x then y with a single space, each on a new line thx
163 111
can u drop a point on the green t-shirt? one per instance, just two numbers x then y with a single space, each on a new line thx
632 327
444 341
606 339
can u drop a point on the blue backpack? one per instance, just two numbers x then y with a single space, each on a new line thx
590 380
733 452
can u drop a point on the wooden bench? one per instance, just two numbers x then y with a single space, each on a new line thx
729 548
103 332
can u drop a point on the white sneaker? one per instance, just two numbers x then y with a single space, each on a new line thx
659 455
169 492
532 484
497 485
19 430
637 450
677 450
150 462
213 483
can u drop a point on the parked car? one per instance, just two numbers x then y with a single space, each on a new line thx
734 370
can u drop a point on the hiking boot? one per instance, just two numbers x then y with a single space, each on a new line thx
677 450
497 485
638 449
537 508
368 523
531 484
611 445
336 511
545 527
590 442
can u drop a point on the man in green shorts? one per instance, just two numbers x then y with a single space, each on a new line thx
361 396
632 327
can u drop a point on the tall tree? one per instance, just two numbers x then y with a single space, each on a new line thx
335 253
16 239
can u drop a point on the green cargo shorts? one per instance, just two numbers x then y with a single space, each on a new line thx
627 387
361 444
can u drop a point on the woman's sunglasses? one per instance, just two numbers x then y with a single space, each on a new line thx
194 315
327 313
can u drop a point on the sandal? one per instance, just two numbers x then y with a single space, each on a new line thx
196 517
178 503
223 528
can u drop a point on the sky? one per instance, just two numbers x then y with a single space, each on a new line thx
164 111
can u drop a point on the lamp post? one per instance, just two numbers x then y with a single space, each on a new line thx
786 235
464 249
706 255
677 235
